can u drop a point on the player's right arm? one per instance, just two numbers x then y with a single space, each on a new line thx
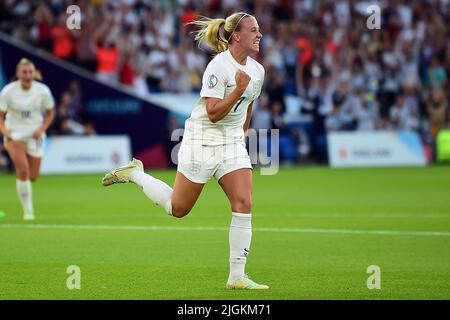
5 132
217 108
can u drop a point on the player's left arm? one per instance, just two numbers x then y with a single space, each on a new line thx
249 117
49 116
48 104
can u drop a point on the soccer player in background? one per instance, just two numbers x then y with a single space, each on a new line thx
214 138
26 112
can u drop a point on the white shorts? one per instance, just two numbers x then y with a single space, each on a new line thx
199 163
35 147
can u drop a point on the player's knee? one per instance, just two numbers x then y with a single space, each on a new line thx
34 175
180 211
22 173
243 204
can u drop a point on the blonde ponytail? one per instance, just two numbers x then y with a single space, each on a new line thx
210 33
37 75
216 33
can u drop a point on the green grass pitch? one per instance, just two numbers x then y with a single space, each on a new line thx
316 230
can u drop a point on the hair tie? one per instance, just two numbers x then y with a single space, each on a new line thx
219 36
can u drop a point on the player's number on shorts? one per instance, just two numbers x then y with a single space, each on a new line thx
238 103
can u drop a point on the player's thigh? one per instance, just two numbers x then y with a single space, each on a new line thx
34 166
238 186
35 151
18 153
185 194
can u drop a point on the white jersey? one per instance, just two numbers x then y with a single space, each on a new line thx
218 82
25 108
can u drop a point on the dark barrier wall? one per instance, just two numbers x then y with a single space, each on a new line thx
112 110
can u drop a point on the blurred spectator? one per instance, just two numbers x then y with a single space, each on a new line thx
334 121
274 88
344 105
85 54
389 88
43 19
436 76
127 73
63 43
262 117
438 111
403 116
107 59
70 118
157 61
277 116
366 112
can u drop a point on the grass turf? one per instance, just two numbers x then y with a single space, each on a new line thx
189 263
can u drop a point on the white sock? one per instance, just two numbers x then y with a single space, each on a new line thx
25 195
240 239
158 191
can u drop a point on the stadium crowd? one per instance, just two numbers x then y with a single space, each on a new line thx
344 75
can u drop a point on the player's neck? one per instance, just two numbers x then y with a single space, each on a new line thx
238 55
25 87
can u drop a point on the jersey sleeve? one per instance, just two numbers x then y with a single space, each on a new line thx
48 102
213 83
3 104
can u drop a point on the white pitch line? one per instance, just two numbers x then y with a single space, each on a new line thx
284 230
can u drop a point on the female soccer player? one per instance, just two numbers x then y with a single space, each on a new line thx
26 112
214 138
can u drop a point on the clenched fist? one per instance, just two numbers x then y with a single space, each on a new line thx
242 80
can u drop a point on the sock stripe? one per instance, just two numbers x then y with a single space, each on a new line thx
242 215
240 226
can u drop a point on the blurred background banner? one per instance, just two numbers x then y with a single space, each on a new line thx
382 148
68 155
109 108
